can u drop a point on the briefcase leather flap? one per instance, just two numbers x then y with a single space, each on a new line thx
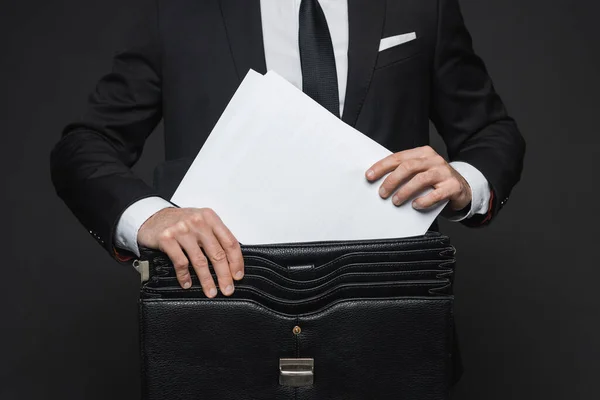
376 349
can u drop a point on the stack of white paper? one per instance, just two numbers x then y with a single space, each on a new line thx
279 168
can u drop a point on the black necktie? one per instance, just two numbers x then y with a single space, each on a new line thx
319 76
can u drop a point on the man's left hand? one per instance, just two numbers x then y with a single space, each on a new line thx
416 170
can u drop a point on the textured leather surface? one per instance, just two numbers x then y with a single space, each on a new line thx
375 315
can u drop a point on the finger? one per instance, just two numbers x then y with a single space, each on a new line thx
445 190
218 259
180 262
232 248
416 185
432 198
391 162
200 264
405 171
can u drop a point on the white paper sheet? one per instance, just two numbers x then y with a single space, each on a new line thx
279 168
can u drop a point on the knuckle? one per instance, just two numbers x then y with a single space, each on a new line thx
388 184
208 212
428 149
200 261
433 175
165 236
423 177
181 269
407 166
219 256
180 263
182 227
230 244
196 218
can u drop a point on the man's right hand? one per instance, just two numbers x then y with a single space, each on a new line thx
183 234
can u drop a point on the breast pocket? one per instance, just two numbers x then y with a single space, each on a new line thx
398 53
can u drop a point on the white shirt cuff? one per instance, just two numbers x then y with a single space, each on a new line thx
133 218
480 191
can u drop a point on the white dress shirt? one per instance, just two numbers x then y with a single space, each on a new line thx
280 22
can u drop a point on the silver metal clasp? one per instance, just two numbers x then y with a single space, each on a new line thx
296 372
143 267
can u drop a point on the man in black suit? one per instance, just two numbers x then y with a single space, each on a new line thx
386 67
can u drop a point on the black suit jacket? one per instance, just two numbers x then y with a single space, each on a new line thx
189 58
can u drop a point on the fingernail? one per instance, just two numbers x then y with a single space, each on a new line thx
382 191
212 292
370 174
396 200
229 290
416 206
239 275
187 285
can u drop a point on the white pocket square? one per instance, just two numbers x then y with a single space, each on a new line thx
392 41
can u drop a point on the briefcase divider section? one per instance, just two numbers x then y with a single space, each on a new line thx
155 263
356 257
444 270
296 372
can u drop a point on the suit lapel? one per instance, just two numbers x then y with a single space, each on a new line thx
365 20
244 31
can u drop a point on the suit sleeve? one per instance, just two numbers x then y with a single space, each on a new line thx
469 114
91 164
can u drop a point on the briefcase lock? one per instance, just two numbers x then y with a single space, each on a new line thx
296 372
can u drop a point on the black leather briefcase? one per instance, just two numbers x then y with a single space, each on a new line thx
338 320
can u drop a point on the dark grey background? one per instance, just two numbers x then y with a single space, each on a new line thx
527 287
